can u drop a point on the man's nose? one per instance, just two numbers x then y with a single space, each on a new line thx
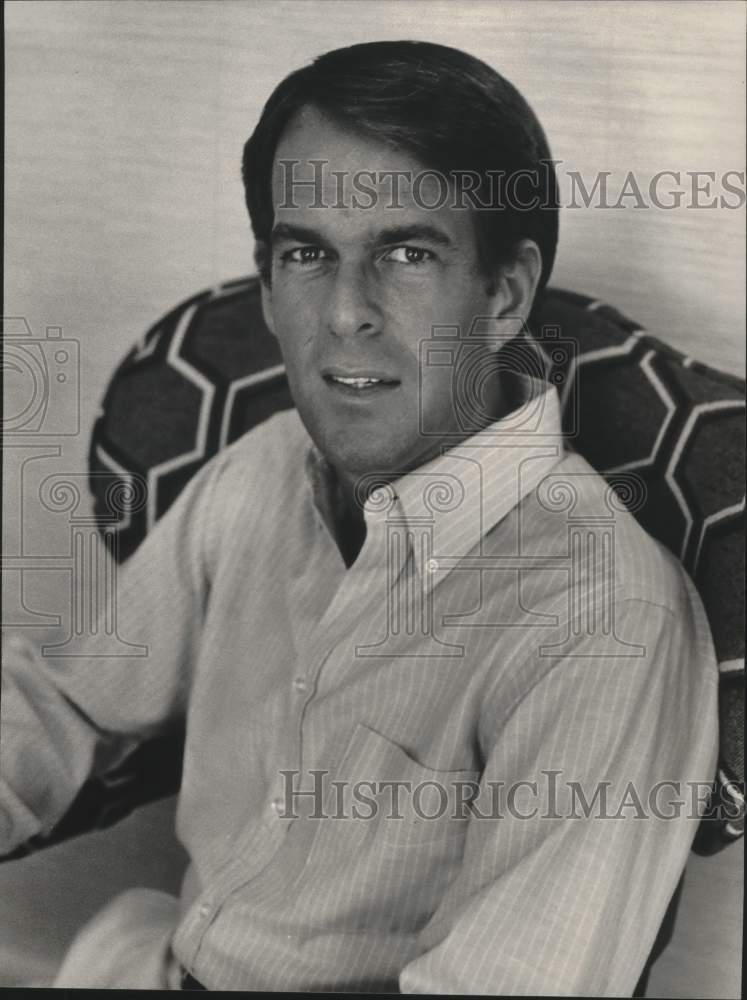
352 307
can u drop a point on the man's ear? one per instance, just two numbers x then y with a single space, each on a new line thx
263 266
267 306
515 288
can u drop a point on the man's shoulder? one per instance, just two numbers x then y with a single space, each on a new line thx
272 449
577 517
264 464
282 428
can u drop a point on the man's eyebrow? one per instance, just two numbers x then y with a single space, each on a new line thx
301 234
416 231
392 234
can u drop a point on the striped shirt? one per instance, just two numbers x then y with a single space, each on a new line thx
453 767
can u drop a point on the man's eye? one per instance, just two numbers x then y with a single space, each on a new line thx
409 255
304 255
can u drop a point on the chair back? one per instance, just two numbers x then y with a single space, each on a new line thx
633 407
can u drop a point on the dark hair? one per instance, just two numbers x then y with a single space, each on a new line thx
449 110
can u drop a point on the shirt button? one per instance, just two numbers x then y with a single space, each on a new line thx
204 910
300 684
432 565
276 805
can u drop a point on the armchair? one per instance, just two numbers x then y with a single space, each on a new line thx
210 370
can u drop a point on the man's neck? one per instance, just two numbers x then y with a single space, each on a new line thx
351 525
348 525
343 516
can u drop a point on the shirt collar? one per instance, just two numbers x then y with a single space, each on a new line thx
450 503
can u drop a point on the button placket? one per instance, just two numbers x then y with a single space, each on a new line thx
367 578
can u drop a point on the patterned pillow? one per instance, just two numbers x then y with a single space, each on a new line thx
210 370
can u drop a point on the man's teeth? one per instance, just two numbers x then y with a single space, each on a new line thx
356 381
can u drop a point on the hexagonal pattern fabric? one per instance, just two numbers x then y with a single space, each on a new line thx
210 370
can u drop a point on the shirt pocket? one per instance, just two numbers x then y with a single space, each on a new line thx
391 838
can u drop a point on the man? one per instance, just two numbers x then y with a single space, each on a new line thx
424 721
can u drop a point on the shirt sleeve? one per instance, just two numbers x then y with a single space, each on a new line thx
579 842
65 718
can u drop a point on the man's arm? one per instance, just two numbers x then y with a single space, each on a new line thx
572 905
64 719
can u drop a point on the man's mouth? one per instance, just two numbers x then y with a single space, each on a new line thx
359 382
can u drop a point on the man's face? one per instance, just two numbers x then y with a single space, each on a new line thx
354 292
